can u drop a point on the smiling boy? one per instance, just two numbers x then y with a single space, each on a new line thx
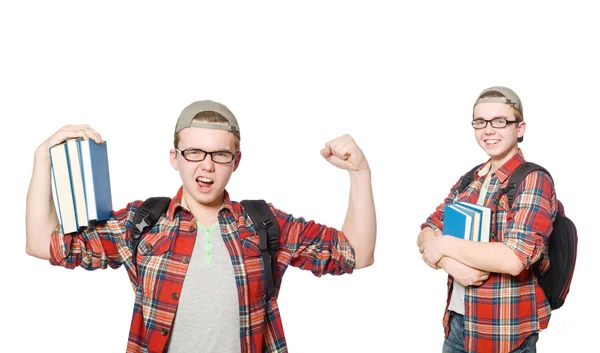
199 278
494 301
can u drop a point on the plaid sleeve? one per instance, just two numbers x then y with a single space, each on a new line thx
96 247
315 247
529 222
436 219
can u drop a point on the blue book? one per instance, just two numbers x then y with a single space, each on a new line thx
96 179
485 220
457 222
62 188
475 216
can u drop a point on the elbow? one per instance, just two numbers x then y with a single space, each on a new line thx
29 249
515 268
511 262
366 262
37 252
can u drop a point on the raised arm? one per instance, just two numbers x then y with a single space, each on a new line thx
360 225
40 215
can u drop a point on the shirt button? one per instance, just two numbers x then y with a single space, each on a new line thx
175 296
164 332
192 229
185 260
148 248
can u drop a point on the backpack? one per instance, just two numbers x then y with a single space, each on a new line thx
562 242
259 212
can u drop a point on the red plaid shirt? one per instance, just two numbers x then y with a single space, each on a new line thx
164 254
505 310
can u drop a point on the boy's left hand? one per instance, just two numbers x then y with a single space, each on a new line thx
432 251
344 153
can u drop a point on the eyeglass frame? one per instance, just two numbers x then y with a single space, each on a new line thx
508 122
183 152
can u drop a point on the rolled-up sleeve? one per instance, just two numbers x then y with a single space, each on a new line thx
315 247
96 247
529 222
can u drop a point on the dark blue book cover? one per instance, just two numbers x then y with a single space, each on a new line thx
96 173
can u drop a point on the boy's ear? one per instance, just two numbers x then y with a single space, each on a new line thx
173 158
521 129
238 158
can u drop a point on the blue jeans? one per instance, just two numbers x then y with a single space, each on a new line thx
455 341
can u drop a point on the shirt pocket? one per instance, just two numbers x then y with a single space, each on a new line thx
152 254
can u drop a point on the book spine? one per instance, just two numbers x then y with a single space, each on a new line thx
56 198
71 183
83 179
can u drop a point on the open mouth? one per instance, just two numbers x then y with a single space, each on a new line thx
491 142
204 183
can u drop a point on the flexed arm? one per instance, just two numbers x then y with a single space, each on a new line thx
360 225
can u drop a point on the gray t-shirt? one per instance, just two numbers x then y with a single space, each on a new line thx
457 299
207 317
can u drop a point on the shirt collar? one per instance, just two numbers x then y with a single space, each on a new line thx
504 171
179 202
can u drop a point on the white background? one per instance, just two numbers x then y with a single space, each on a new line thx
401 79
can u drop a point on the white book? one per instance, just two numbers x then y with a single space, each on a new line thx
77 182
61 182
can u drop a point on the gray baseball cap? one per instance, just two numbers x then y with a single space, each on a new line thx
186 118
509 97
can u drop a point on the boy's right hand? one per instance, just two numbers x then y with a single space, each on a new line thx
66 132
463 274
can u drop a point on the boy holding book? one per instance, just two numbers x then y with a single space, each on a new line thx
221 305
494 302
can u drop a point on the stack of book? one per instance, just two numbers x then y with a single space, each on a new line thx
467 221
80 183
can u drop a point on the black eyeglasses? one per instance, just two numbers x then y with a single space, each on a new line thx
198 155
496 123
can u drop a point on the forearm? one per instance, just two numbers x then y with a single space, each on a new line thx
40 215
360 225
445 264
491 257
426 235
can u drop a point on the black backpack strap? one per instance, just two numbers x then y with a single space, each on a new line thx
514 182
145 218
268 229
467 178
517 177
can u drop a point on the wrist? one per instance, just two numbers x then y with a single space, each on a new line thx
363 174
42 154
443 262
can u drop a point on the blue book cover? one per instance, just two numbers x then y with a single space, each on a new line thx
476 223
96 176
457 222
485 219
